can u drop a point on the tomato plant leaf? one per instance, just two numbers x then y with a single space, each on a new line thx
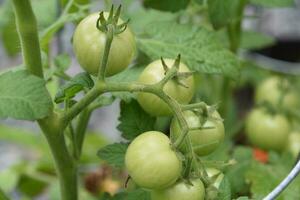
139 194
114 154
143 17
273 3
134 120
71 88
167 5
32 183
200 49
224 190
264 178
23 96
236 174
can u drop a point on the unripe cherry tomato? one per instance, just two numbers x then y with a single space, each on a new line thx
151 162
204 141
181 191
89 45
154 73
266 131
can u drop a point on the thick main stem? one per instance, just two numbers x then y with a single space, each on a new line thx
65 166
51 126
28 34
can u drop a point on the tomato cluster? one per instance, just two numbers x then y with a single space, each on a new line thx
268 127
151 159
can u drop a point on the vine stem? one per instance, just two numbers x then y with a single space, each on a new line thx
28 34
108 42
51 125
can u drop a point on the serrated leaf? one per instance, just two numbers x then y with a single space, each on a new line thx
23 96
114 154
167 5
254 40
129 75
72 87
134 120
273 3
199 48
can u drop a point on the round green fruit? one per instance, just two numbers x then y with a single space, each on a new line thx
150 161
266 131
181 191
154 73
204 141
89 45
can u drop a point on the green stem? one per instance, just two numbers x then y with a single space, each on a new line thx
81 127
82 104
28 34
51 126
104 60
65 166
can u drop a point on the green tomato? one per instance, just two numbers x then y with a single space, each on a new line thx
266 131
269 91
204 141
293 144
154 73
181 191
216 176
151 162
89 45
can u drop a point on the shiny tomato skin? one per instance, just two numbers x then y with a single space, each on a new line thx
152 74
89 45
150 161
204 141
266 131
181 191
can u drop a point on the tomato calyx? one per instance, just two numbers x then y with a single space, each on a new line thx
177 76
206 114
111 23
